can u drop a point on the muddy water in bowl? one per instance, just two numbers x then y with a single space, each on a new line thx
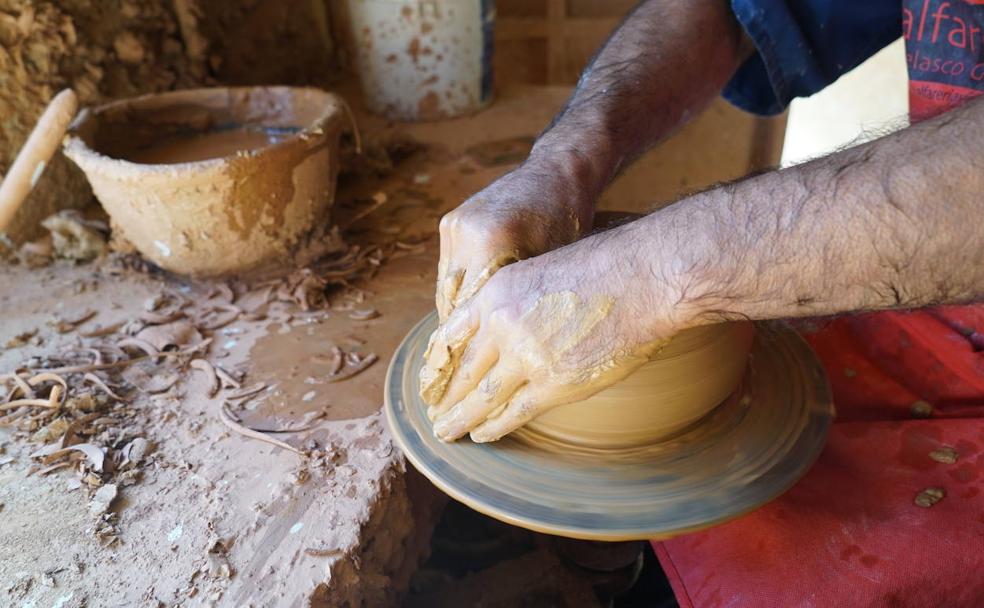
213 181
193 147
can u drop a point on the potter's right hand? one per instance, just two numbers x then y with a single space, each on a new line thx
553 329
536 208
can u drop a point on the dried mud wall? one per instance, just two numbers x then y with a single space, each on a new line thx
109 49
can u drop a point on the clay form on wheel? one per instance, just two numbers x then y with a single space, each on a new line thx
744 452
685 380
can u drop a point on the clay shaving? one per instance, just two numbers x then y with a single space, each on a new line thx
209 370
929 497
98 382
246 392
227 380
353 365
228 419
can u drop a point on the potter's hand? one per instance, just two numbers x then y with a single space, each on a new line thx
541 333
536 208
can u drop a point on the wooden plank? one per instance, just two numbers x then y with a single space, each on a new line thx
521 8
519 28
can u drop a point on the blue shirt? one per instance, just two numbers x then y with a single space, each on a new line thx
804 45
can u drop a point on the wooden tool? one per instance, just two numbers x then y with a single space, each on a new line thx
34 156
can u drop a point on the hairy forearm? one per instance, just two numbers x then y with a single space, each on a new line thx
658 69
892 223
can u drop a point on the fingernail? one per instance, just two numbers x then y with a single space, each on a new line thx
480 437
441 429
449 427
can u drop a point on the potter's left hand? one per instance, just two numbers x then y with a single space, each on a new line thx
543 332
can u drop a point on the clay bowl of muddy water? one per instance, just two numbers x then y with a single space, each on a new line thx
688 378
213 181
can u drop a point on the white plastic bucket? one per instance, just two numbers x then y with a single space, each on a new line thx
424 59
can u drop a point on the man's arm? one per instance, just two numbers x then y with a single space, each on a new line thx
892 223
659 68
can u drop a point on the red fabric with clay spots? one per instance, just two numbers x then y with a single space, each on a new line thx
849 533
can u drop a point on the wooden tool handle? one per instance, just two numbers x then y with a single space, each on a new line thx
34 156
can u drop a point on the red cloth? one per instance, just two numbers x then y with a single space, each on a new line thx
849 533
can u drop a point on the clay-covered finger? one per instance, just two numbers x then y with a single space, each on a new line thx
444 350
524 405
444 262
448 286
492 392
476 361
476 280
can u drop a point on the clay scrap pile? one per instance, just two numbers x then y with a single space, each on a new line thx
76 407
70 236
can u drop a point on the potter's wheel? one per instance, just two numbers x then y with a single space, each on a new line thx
747 451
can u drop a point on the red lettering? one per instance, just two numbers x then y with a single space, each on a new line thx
962 30
977 73
938 17
922 19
